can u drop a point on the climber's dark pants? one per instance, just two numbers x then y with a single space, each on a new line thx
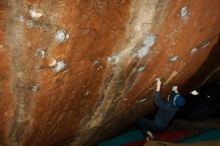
145 125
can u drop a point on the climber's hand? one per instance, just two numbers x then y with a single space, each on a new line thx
158 81
158 84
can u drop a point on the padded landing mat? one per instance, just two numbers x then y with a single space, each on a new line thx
205 136
207 143
129 137
172 136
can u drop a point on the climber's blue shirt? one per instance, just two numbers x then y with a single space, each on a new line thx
165 113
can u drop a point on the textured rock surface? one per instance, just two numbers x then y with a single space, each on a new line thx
77 71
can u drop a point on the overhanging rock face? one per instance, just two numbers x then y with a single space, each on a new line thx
76 71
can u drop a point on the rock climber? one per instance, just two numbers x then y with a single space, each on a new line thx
167 110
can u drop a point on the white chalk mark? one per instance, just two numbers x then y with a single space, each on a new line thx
174 58
20 18
184 13
147 44
35 14
87 93
60 65
193 51
95 62
29 23
40 53
205 44
141 69
140 101
34 89
60 36
114 59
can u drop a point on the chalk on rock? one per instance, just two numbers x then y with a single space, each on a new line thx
61 36
140 101
34 88
184 12
141 69
174 58
193 51
95 62
204 44
30 23
147 44
87 93
20 18
40 53
60 65
35 14
114 59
